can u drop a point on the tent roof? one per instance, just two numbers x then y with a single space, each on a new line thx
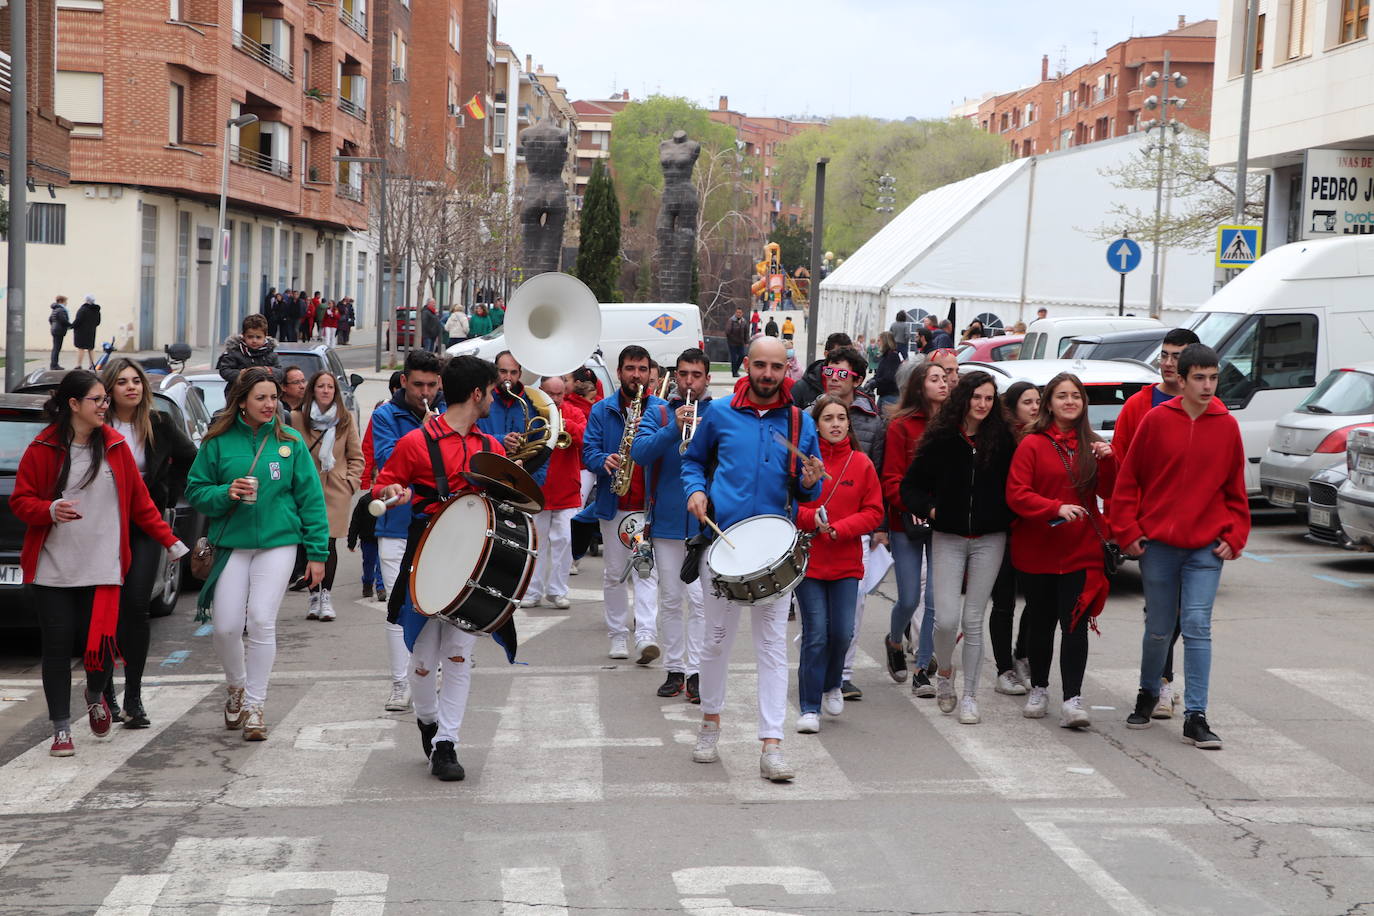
887 256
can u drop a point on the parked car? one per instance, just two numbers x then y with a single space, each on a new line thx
1135 344
1109 382
1313 436
405 328
1047 338
1355 498
20 421
1323 514
989 349
313 358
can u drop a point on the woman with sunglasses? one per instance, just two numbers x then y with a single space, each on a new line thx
163 454
78 482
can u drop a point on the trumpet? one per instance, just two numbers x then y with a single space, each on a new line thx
689 426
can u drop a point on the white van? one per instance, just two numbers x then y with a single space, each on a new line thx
1298 312
1048 338
664 329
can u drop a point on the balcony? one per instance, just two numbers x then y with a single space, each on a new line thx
261 52
349 192
253 159
351 19
348 106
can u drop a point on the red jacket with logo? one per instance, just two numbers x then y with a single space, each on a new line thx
563 484
855 508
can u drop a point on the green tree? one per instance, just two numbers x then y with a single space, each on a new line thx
598 252
920 155
639 128
794 244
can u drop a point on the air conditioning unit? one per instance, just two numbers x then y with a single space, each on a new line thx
398 74
455 110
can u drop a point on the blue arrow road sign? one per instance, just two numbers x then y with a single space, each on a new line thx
1123 255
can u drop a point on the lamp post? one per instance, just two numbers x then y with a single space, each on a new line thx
1165 124
222 259
813 305
19 169
380 162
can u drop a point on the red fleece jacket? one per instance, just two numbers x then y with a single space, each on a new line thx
855 510
1037 487
1183 480
903 435
563 485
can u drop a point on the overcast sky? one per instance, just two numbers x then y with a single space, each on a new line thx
885 58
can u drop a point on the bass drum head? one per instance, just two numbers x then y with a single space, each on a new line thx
630 526
759 542
452 549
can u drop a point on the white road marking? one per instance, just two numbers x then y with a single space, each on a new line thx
1086 867
34 783
527 626
134 895
356 893
533 892
1341 687
542 710
7 851
198 870
1356 845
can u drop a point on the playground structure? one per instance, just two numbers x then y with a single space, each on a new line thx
772 279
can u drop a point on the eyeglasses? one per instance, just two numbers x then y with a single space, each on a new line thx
99 402
1166 357
832 372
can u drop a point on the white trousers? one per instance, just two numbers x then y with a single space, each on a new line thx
551 567
683 627
248 594
390 552
616 595
588 481
442 647
872 578
769 626
329 336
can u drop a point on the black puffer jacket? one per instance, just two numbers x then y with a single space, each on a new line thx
969 496
238 356
168 461
809 386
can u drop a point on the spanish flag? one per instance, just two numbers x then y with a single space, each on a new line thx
474 107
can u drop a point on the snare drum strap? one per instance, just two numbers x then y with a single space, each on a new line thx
793 462
440 492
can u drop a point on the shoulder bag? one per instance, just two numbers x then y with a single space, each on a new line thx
1111 553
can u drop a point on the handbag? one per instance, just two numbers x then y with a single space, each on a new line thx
203 554
1111 552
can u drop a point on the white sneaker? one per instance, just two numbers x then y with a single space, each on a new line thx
619 647
1168 701
647 649
1008 684
326 605
832 701
944 694
559 601
314 612
808 723
1036 703
1073 715
773 766
530 601
1023 672
400 697
707 739
968 711
573 571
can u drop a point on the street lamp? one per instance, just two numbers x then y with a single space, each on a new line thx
380 162
222 261
1166 125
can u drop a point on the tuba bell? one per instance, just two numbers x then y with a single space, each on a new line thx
553 323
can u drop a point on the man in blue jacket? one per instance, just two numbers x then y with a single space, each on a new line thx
657 447
736 469
510 409
405 411
600 454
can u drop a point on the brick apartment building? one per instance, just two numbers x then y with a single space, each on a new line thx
594 119
49 134
1104 98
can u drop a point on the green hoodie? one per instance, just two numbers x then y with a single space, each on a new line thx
479 325
290 507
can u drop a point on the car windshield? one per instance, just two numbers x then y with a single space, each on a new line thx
1211 328
212 393
1106 400
1345 392
17 430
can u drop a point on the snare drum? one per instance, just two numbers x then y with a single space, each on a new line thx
767 561
473 563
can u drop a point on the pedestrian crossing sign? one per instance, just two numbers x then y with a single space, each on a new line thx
1238 246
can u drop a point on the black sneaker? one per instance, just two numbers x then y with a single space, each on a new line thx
116 715
1197 733
693 689
850 692
921 685
134 714
673 685
1144 706
443 763
427 732
367 589
896 661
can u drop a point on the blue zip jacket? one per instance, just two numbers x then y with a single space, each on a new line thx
753 469
605 428
656 448
390 422
507 416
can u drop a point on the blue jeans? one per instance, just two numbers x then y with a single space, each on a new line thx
372 568
827 614
1180 585
907 555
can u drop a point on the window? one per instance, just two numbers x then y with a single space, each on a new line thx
1354 20
183 304
81 100
147 281
245 259
453 32
1259 42
1299 35
176 113
48 224
1260 352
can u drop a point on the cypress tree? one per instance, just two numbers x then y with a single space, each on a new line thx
598 252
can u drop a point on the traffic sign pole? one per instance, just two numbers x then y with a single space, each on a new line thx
1123 256
1121 297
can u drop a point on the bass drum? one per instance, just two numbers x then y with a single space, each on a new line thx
767 561
473 563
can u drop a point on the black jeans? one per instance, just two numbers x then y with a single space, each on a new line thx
135 597
1003 612
736 359
1050 599
64 614
56 349
331 565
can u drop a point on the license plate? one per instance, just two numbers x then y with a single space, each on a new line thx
1282 496
1365 463
1319 518
11 575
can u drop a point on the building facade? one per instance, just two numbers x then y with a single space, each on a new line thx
759 140
49 133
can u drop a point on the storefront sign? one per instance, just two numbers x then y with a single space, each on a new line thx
1338 193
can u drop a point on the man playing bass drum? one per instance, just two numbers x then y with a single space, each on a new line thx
410 474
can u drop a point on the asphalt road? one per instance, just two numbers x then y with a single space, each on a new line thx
581 796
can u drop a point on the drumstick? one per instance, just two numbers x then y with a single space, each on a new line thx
721 534
782 440
378 507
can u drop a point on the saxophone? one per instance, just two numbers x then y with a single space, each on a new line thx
620 483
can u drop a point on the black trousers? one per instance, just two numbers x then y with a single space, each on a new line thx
134 633
1050 599
331 565
1003 612
64 616
56 349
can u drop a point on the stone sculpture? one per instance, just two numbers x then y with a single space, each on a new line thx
545 205
677 217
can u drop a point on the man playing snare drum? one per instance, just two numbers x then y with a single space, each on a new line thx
736 469
434 642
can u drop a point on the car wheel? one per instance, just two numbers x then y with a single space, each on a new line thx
166 602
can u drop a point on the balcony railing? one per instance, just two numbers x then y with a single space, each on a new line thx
5 71
349 192
348 106
253 159
353 21
261 52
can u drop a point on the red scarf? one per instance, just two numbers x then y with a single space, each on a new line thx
100 638
1093 598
